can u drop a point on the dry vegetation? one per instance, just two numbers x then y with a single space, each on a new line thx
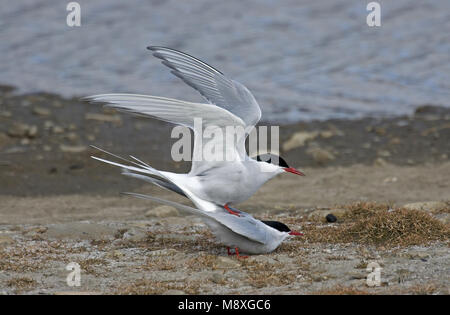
379 225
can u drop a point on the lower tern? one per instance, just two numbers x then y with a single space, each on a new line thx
215 181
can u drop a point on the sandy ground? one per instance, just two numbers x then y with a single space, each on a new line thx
129 246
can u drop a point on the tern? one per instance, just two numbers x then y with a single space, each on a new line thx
244 233
215 181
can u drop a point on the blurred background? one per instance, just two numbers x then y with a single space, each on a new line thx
303 60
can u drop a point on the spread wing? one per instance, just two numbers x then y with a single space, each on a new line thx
210 123
211 84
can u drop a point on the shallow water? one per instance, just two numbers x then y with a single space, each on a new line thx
303 60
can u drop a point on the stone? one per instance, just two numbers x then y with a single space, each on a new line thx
32 131
18 130
217 278
327 134
162 212
135 235
380 162
71 136
331 218
299 139
323 214
321 156
57 129
41 111
103 117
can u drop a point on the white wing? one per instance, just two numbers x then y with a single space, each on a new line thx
209 146
211 84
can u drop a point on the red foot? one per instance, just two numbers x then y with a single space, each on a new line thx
231 211
236 252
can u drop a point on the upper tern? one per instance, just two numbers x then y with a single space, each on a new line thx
216 180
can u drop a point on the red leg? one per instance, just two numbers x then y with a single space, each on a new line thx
231 211
229 252
237 253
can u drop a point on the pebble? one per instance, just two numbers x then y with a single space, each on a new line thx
328 214
73 148
103 117
41 111
331 218
321 156
299 139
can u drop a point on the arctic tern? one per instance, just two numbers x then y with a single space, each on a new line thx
216 181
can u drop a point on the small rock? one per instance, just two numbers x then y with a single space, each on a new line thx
162 212
135 235
48 124
217 278
384 153
299 139
103 117
57 129
32 131
325 215
71 136
321 156
327 134
18 130
331 218
417 255
41 111
380 162
73 148
429 206
381 131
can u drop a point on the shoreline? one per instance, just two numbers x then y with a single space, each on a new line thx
45 139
